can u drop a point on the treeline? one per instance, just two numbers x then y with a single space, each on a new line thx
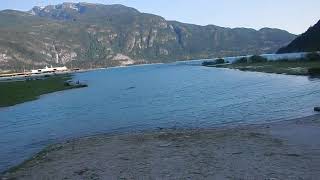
313 56
310 57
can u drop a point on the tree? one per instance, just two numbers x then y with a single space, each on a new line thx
314 56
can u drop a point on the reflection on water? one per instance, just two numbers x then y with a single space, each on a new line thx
153 96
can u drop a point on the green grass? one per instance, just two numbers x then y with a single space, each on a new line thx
279 67
12 93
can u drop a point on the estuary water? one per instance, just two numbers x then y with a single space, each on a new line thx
136 98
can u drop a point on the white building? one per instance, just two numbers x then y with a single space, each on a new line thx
49 70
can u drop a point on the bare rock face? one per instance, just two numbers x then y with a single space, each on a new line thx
163 51
94 35
123 60
4 58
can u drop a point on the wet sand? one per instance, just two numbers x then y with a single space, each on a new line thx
282 150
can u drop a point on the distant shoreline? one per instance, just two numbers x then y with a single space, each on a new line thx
273 150
272 68
307 65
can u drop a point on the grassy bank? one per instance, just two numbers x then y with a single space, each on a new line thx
12 93
279 67
310 65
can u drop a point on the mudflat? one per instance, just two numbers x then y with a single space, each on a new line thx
282 150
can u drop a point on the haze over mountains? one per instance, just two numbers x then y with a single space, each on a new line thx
95 35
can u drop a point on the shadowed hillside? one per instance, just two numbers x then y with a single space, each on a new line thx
307 42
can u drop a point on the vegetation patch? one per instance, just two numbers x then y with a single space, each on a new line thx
310 65
12 93
214 62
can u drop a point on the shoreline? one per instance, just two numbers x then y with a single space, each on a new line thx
263 71
285 68
283 149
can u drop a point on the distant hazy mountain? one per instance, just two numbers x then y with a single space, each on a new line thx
95 35
307 42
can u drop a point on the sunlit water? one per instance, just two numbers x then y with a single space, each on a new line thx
150 97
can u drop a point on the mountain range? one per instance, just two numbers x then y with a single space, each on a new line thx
88 35
306 42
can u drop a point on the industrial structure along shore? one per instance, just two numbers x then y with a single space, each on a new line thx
37 73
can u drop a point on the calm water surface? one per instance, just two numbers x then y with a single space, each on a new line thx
153 96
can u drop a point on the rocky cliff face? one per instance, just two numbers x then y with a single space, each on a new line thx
95 35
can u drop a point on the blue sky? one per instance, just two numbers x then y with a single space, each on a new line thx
295 16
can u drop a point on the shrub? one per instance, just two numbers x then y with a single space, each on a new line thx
220 61
242 60
314 56
314 71
215 62
257 59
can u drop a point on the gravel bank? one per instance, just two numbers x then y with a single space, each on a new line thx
283 150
